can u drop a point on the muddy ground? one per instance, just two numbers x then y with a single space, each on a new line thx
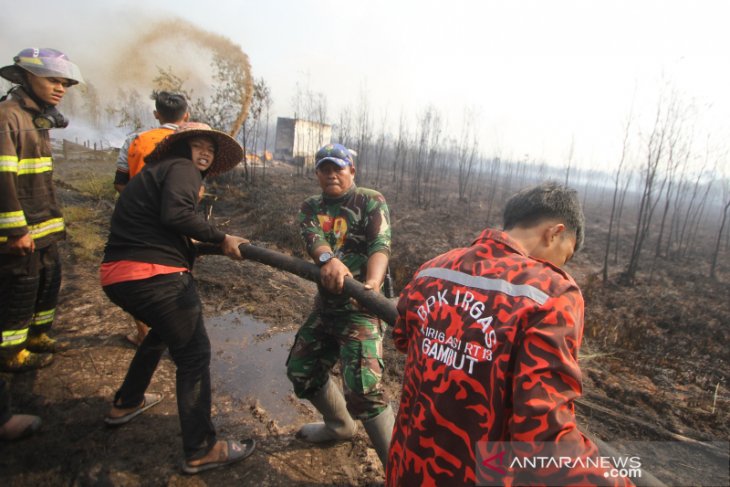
652 359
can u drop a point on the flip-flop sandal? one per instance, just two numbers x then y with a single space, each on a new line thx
132 338
237 451
150 399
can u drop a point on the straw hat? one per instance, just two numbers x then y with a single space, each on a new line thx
228 152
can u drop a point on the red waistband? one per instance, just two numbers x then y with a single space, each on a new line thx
130 270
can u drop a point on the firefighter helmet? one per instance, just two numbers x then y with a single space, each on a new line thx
43 62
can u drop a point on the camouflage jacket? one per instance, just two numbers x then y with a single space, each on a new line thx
356 225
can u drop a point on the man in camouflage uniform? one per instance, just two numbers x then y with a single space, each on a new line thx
346 231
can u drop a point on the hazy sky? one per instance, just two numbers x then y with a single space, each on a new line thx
538 73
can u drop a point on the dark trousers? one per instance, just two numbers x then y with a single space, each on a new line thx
5 413
29 286
170 306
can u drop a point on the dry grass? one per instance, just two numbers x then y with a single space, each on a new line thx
84 232
98 187
74 214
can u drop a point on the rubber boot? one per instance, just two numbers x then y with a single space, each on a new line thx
338 424
41 344
380 431
19 426
24 360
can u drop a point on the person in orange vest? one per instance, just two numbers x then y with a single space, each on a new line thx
171 109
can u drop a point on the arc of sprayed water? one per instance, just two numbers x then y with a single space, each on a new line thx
220 45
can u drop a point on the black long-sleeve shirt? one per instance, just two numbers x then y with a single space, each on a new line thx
155 217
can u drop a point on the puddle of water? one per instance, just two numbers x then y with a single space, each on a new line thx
246 366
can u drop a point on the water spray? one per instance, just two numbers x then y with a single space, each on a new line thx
136 65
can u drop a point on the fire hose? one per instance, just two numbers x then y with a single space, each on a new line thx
374 302
370 300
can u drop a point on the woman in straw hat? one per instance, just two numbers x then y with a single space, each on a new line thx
146 271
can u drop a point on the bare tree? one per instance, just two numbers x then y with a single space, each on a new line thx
364 134
692 210
614 201
442 171
131 111
344 127
400 153
694 234
232 81
381 146
628 179
420 155
655 156
723 222
312 108
268 101
428 147
494 171
320 115
466 153
217 110
92 104
252 126
674 160
680 196
570 159
297 101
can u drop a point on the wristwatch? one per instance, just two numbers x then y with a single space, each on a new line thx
324 257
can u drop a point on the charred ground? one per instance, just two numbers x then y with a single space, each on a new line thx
653 355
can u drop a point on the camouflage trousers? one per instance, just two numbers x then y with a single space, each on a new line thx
353 338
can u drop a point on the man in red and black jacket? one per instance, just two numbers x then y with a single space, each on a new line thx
492 333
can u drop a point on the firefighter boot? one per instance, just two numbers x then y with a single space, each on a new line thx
41 343
380 430
338 424
19 426
24 360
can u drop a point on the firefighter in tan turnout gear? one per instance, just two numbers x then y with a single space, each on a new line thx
31 223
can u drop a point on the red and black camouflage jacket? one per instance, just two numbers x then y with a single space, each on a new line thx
492 339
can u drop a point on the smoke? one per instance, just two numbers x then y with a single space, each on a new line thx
118 52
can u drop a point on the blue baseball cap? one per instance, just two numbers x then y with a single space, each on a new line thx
337 153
